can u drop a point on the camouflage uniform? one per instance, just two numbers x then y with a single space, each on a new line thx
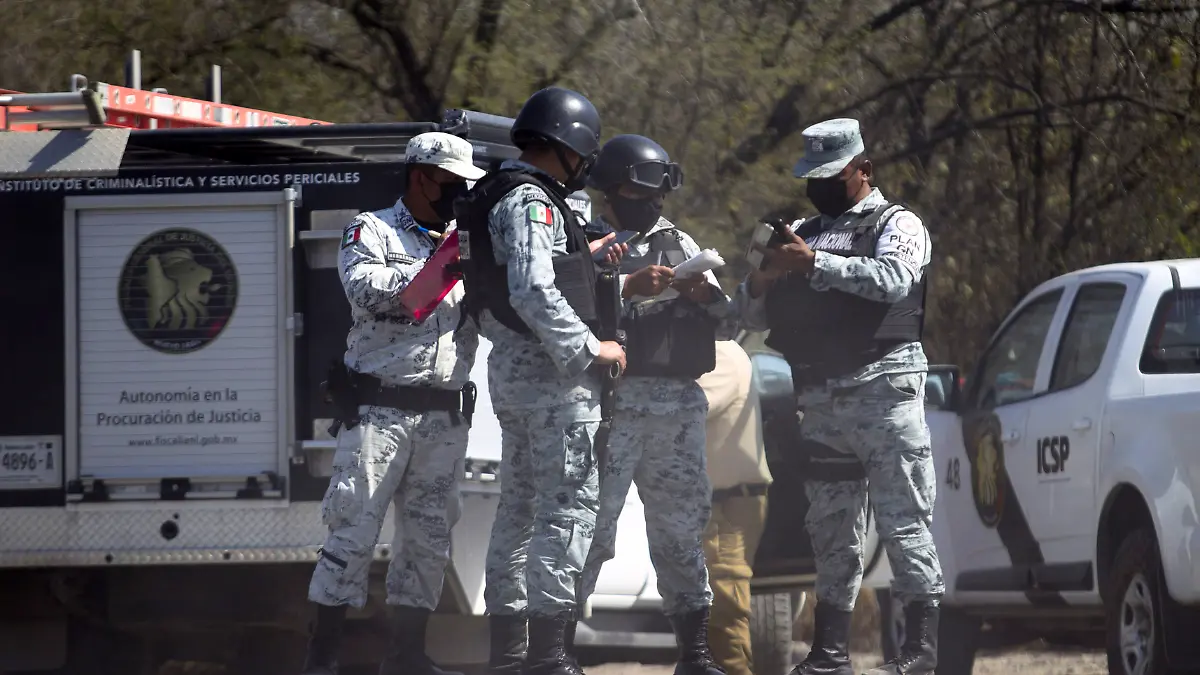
413 459
548 405
658 444
876 415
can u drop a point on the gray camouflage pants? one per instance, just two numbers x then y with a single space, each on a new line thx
414 460
882 423
546 517
664 456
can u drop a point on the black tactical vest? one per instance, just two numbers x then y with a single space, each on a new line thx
667 338
826 334
485 282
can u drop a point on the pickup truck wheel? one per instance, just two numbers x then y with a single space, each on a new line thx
771 620
1134 636
891 624
958 641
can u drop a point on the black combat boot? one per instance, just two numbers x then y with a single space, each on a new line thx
691 634
548 647
508 642
830 653
569 638
918 655
406 653
325 641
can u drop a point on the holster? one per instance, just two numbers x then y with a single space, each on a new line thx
347 391
339 391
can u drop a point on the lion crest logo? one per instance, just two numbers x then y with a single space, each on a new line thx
987 468
177 290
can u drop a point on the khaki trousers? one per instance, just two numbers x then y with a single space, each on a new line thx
730 540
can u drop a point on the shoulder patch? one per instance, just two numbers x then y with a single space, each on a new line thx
540 212
352 234
908 223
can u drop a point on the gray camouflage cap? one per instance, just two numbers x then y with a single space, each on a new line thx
828 148
443 150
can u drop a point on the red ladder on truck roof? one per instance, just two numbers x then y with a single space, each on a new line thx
123 107
126 108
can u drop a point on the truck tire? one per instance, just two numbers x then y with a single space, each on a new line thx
891 624
771 620
958 641
1133 632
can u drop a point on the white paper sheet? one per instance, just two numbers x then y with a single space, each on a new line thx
704 261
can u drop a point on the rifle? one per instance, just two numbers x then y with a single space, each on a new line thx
608 310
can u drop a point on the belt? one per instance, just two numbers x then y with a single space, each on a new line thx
743 490
372 391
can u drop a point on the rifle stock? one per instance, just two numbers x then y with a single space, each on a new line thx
608 298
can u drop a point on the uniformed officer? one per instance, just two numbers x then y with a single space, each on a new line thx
843 295
531 281
658 436
408 385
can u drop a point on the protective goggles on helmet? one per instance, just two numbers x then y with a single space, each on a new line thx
656 174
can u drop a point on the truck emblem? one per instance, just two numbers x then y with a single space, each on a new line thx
987 470
177 290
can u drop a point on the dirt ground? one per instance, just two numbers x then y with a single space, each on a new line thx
1032 661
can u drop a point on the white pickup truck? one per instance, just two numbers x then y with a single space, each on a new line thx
1068 473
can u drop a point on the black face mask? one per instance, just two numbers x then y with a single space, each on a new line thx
829 196
443 206
636 214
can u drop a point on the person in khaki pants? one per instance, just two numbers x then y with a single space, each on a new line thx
737 468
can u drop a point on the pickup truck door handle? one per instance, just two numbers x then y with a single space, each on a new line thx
1082 424
1011 436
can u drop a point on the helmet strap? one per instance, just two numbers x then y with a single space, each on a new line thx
572 182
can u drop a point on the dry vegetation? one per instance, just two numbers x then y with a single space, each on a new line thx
1034 136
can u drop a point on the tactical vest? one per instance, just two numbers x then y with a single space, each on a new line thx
485 282
827 334
667 338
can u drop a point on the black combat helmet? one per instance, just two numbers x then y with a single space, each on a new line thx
561 116
635 160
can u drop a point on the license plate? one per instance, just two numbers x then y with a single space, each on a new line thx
30 462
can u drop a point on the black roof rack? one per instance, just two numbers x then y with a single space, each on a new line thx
323 144
378 142
271 145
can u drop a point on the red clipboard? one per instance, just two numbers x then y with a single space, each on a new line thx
433 283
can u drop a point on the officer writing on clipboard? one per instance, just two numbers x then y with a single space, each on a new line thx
404 405
843 295
658 436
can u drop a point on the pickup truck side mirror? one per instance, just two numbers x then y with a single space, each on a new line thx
943 388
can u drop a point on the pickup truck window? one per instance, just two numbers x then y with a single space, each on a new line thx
1089 328
1173 342
1009 368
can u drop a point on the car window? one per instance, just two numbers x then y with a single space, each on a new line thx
1173 343
1008 370
1087 333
